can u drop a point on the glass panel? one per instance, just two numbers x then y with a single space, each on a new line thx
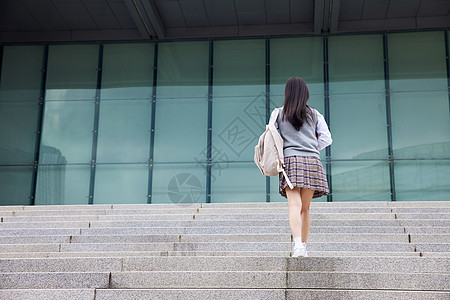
67 132
417 61
178 183
183 69
237 126
72 72
15 183
420 124
18 121
356 64
127 71
422 180
239 68
124 131
359 126
361 181
21 73
180 130
121 183
63 184
301 57
237 182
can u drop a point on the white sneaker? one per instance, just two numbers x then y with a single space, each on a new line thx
300 251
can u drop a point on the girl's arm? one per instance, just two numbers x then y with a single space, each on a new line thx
323 133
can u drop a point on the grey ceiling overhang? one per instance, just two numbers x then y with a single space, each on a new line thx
87 20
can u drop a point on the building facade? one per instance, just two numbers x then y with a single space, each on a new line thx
176 120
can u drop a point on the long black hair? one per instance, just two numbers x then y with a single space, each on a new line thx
295 110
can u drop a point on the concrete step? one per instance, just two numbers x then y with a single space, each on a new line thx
430 238
268 294
50 294
231 230
277 279
427 230
214 223
54 280
227 263
85 264
59 224
443 216
314 210
121 254
226 294
221 246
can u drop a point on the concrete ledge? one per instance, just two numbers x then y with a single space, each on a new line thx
199 279
430 238
53 280
39 232
35 239
219 263
59 224
29 248
107 247
60 265
310 294
48 294
423 216
149 238
190 294
427 230
372 264
383 281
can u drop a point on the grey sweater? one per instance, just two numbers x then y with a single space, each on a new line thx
298 143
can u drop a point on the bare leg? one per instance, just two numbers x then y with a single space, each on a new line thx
306 196
295 204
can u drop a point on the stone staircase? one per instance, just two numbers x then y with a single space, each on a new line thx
358 250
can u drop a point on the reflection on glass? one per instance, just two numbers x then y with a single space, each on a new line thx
121 183
63 184
15 185
67 129
420 124
356 64
124 131
359 126
180 130
237 182
183 70
417 61
72 72
361 181
239 68
21 73
300 57
127 71
17 132
179 183
422 180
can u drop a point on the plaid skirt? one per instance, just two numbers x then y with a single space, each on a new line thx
305 172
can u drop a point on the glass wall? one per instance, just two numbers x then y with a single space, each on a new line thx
129 122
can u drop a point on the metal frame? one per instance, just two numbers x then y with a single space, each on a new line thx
326 95
267 105
96 120
209 125
39 125
447 54
388 115
152 128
